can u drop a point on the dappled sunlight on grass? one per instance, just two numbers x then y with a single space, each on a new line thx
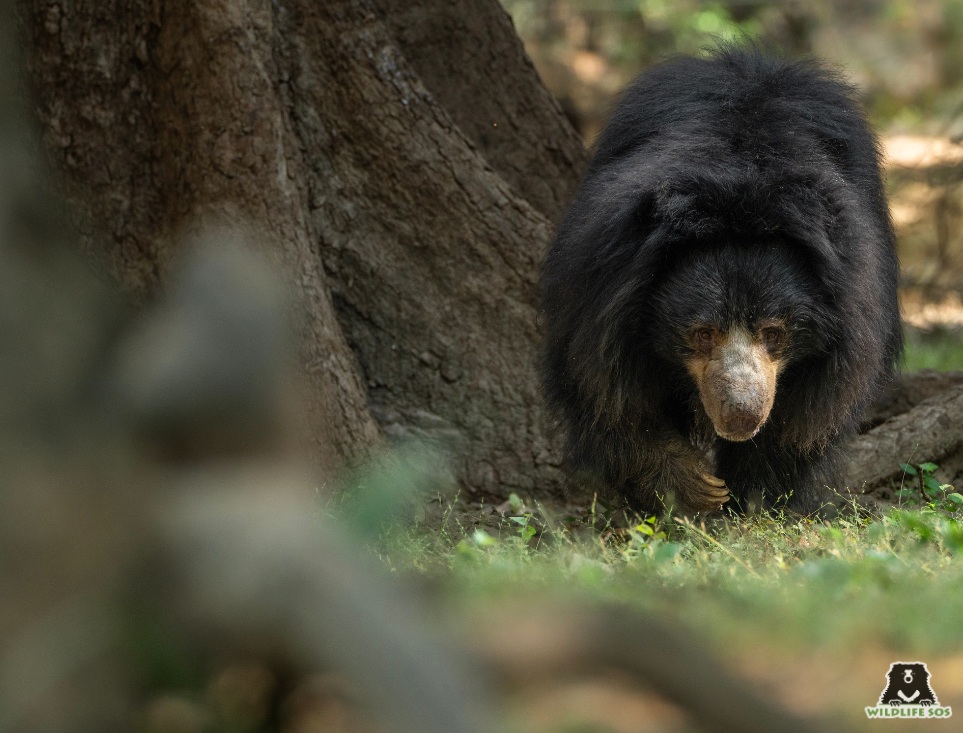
811 613
838 582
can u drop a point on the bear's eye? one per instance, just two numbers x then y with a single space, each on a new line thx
703 338
774 337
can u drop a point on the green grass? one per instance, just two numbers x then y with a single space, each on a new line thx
937 350
896 580
799 607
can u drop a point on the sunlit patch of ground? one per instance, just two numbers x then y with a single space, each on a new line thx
921 151
925 311
910 202
925 186
813 684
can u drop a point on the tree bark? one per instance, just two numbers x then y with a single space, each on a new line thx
910 389
922 423
406 201
470 59
160 116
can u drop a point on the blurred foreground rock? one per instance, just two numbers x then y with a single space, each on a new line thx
152 472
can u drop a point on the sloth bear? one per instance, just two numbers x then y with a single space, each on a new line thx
720 301
908 683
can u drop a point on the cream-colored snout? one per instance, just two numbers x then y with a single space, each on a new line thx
737 385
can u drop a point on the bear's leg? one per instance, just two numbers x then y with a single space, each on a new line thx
653 471
680 478
783 477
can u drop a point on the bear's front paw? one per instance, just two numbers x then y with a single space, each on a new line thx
708 495
894 703
926 703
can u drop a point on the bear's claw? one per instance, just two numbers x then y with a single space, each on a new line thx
712 495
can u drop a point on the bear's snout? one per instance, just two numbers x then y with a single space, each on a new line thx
744 404
737 384
741 423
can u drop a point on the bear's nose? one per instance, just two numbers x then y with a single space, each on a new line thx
742 421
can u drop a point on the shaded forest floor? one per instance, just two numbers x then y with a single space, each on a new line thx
807 615
811 614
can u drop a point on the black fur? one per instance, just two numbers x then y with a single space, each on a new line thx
724 189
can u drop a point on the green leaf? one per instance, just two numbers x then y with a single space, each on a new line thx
914 523
928 467
667 552
932 486
955 498
908 469
482 539
465 549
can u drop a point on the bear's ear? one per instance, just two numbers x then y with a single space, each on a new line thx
624 242
821 247
812 215
602 265
694 206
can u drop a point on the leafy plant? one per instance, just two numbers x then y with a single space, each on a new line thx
929 491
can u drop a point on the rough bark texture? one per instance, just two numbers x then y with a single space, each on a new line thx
433 263
426 226
164 115
468 56
909 390
928 431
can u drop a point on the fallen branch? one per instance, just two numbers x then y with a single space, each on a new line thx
929 431
911 389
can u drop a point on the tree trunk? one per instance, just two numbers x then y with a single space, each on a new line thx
402 164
